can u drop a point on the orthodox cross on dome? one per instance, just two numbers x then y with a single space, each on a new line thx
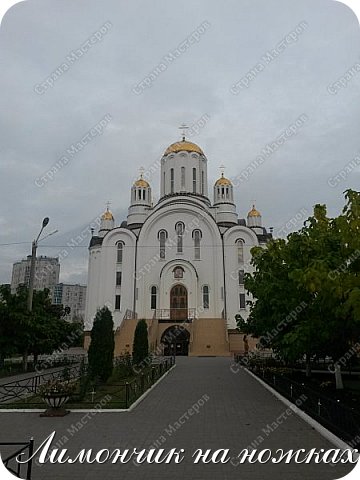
141 171
108 203
222 170
183 129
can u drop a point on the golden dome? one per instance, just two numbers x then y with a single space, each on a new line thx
141 183
222 182
183 145
107 215
254 213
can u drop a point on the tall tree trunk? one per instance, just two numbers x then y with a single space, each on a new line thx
25 361
36 359
338 377
307 365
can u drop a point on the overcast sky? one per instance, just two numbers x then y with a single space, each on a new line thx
38 124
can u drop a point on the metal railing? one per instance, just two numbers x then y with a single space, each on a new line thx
19 389
16 470
337 417
135 388
129 314
169 315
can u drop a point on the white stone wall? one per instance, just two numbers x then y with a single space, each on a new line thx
154 271
232 267
188 161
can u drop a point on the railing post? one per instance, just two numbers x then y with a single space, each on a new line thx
142 382
31 451
127 395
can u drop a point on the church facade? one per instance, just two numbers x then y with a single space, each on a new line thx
179 264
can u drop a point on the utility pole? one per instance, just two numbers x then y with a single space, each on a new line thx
33 265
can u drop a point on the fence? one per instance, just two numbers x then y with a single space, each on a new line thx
19 389
112 394
16 470
338 418
142 382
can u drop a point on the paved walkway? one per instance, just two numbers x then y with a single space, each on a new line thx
237 410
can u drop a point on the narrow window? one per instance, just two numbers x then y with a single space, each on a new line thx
197 239
182 177
162 240
240 250
118 279
172 180
202 183
194 180
241 277
153 298
117 302
179 227
242 301
120 246
205 296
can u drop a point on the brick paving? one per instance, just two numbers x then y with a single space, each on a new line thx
237 410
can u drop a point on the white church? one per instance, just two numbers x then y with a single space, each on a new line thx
179 264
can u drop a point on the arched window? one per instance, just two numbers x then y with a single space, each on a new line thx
182 177
120 249
179 228
241 277
153 298
202 183
197 238
162 240
206 296
194 180
172 180
240 250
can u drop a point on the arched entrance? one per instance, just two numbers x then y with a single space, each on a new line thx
178 303
176 340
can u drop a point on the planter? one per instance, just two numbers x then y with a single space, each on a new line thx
55 402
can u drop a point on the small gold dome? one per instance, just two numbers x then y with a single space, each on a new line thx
183 145
107 215
254 213
141 183
222 182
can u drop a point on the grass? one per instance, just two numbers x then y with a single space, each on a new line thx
112 394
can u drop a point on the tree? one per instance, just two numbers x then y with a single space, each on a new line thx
306 289
141 342
38 332
101 350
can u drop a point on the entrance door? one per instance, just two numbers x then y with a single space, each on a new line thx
175 340
178 303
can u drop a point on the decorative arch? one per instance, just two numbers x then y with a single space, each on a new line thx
175 340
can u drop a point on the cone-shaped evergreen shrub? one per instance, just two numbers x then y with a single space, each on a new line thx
141 344
101 350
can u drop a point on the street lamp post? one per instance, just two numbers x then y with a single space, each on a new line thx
33 264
